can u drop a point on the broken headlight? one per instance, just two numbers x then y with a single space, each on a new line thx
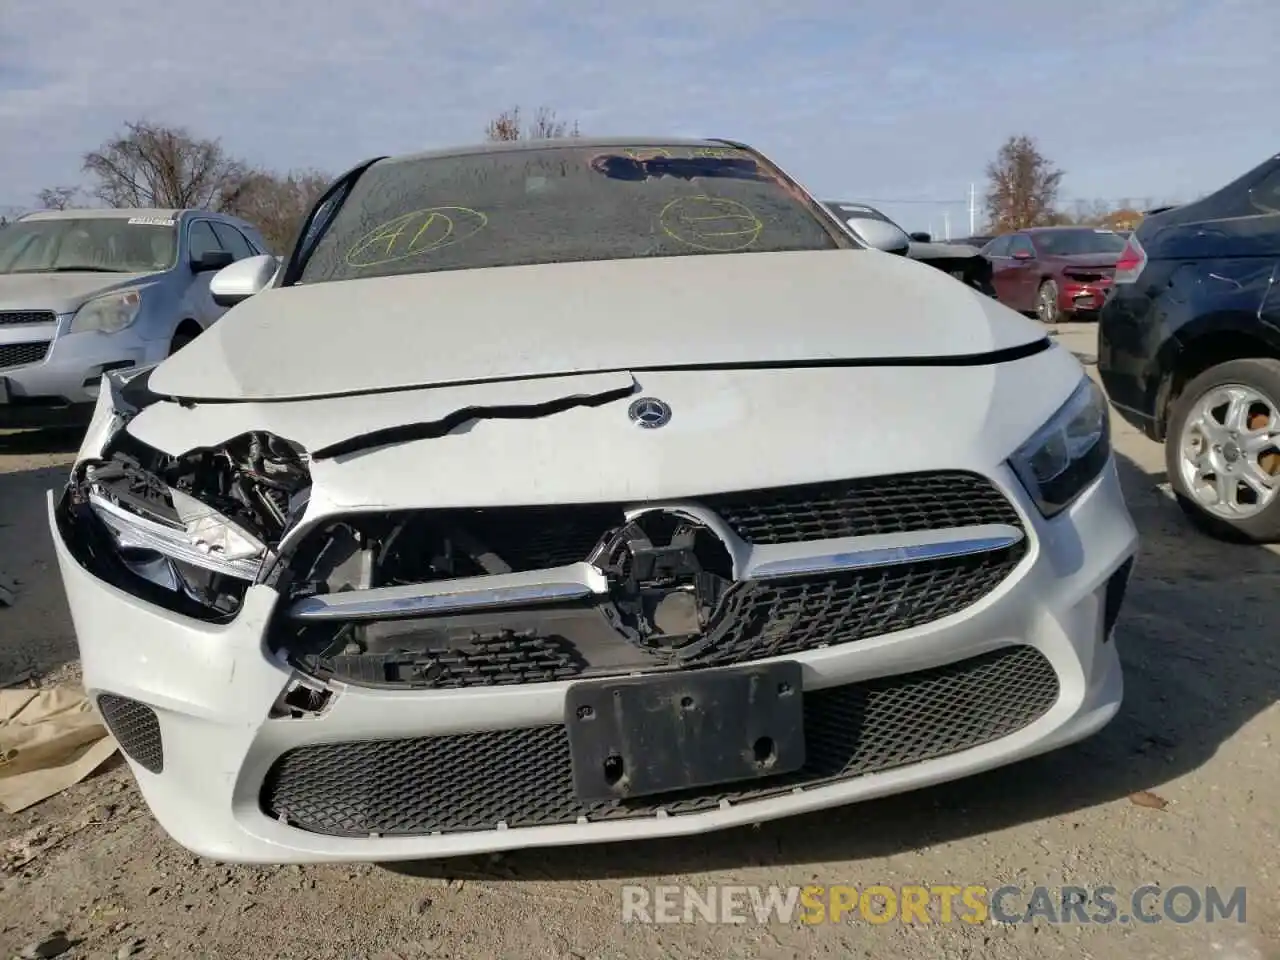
197 527
1066 454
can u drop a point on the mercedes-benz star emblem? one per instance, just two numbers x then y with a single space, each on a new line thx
649 412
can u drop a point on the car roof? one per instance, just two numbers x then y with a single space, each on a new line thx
105 213
119 213
586 143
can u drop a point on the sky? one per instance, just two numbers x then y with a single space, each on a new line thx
899 102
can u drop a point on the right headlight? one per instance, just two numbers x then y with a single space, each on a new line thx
1066 454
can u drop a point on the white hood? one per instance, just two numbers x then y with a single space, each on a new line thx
513 322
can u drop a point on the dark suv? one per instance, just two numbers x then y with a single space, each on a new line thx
1189 350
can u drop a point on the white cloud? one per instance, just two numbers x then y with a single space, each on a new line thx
898 99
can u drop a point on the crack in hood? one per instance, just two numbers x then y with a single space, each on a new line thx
474 326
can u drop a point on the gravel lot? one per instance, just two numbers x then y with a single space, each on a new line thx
1200 729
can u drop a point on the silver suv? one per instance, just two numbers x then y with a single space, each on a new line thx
86 291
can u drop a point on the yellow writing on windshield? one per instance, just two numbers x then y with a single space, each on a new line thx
414 234
711 223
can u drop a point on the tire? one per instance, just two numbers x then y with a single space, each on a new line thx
181 338
1245 378
1047 303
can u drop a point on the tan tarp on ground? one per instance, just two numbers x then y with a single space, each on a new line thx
49 740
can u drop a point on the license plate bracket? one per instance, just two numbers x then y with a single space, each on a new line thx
641 736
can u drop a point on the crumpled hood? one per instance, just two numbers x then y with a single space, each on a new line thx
59 292
468 326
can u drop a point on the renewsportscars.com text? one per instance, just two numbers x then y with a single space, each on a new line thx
972 904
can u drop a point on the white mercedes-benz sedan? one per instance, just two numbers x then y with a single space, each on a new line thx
581 491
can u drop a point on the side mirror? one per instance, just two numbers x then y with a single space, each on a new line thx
880 235
1022 255
212 260
242 279
922 237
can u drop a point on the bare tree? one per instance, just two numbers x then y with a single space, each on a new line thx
1022 186
544 126
277 203
149 165
57 198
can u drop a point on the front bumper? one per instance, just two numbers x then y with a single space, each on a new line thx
212 689
62 382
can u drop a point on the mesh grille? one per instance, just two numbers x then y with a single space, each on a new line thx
16 317
534 538
523 777
17 354
899 504
136 728
770 619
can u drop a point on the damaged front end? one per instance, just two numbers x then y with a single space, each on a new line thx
454 597
190 533
425 598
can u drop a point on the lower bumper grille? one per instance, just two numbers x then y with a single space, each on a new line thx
523 778
18 354
136 728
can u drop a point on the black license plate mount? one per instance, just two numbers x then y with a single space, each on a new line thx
645 736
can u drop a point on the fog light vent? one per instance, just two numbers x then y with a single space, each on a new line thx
136 728
1114 599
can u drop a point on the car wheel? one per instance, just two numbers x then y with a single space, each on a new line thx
1222 450
1047 303
180 339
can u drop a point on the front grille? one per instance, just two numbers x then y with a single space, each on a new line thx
537 537
18 354
906 503
523 778
19 317
136 728
754 620
780 618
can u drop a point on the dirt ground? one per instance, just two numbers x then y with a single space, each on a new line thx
1200 729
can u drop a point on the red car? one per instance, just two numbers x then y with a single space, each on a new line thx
1057 273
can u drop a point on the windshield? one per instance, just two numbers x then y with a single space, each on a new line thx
92 244
563 203
1070 243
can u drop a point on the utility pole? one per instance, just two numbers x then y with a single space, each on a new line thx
946 224
973 209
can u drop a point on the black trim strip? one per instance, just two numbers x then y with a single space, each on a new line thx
989 359
430 429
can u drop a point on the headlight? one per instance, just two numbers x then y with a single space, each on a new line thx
1068 452
110 313
201 538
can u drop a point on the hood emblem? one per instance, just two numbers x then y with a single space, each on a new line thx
649 413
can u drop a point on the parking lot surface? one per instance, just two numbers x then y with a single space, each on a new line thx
1182 788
